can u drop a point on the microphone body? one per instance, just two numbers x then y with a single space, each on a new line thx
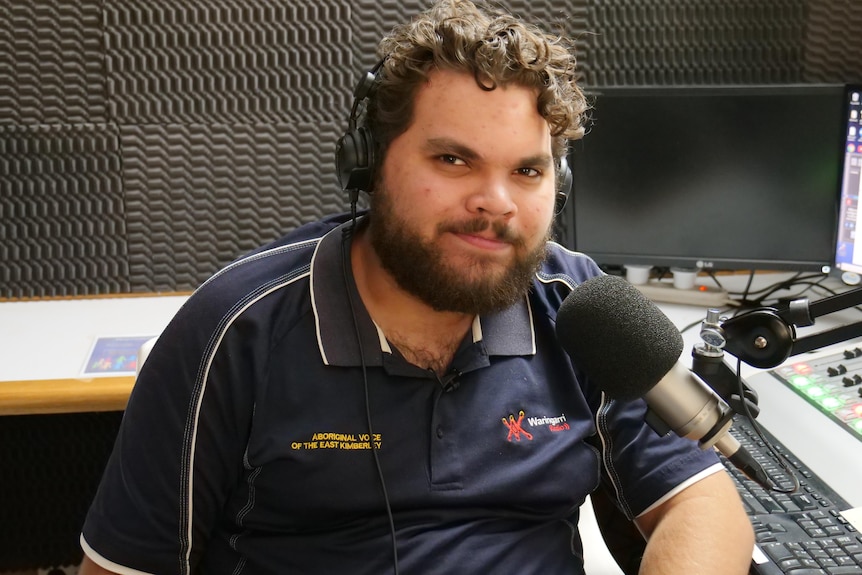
689 407
606 315
693 410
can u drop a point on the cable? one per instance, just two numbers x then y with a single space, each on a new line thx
782 461
763 294
345 236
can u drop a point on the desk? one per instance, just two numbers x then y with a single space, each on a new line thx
44 344
58 426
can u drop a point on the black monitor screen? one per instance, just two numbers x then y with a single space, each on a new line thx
733 177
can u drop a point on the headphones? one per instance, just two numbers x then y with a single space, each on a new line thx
356 151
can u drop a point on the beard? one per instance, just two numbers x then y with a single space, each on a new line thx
421 268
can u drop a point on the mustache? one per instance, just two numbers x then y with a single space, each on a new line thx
502 231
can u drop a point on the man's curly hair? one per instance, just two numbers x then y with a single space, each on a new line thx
497 48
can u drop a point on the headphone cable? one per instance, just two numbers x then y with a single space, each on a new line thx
347 233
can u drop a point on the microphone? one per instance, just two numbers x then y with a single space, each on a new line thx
630 349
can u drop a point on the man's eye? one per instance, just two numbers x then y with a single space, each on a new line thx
452 160
529 172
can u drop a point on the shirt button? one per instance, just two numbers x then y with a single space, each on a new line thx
439 432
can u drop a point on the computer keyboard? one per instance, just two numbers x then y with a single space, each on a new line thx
799 533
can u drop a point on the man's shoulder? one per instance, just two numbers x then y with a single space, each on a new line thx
270 269
568 267
560 273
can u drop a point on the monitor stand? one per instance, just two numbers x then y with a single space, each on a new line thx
699 295
681 289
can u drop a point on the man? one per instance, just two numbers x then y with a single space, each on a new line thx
386 394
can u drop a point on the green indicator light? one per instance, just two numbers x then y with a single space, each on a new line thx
799 381
832 403
814 392
857 425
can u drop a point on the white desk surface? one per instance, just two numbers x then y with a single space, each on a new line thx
44 343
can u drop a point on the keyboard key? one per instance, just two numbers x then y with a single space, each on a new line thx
769 505
752 504
777 552
803 501
776 527
809 571
792 565
829 571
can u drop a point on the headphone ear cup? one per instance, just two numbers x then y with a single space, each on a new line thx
356 150
566 181
355 160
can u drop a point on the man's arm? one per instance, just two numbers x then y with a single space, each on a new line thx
703 529
90 568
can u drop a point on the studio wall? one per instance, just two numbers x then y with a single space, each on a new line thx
145 144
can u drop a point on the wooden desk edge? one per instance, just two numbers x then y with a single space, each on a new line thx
51 396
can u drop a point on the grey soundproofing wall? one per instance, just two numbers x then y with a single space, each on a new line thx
144 144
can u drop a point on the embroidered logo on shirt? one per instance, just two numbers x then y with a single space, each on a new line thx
343 441
554 423
516 429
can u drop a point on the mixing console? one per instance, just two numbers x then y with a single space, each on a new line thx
832 384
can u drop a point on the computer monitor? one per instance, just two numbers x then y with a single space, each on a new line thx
848 244
718 177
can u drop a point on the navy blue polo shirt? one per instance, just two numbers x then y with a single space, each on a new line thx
249 441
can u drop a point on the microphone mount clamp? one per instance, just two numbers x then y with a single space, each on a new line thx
764 338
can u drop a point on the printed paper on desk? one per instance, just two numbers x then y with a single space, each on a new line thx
854 516
115 355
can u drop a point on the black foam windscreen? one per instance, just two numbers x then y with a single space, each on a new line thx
617 336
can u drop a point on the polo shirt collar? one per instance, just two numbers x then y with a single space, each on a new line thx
507 333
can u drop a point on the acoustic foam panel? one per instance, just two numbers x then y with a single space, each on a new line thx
200 195
62 224
181 61
229 113
666 42
51 62
833 43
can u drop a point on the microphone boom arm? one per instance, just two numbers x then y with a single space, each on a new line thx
764 338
